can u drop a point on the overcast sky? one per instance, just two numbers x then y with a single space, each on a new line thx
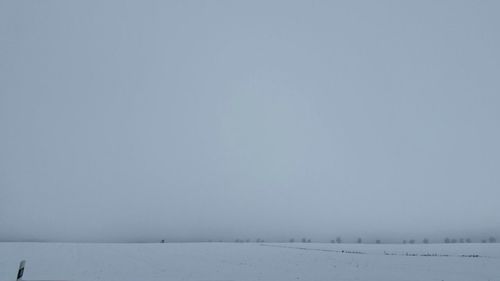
128 121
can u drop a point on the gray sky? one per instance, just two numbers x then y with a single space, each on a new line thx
124 121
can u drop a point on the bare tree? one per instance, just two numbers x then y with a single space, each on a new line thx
338 240
360 241
426 241
492 239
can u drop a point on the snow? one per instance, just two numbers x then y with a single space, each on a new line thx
251 261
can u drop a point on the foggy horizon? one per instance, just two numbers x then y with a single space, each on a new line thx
131 121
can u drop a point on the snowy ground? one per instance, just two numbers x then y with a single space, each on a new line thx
251 261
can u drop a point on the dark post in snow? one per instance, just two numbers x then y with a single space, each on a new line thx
20 272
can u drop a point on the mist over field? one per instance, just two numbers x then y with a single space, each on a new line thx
136 121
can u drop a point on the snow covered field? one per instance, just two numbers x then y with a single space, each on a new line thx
251 261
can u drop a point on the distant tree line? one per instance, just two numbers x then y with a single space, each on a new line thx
359 240
468 240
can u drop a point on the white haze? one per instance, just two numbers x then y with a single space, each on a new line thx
187 120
